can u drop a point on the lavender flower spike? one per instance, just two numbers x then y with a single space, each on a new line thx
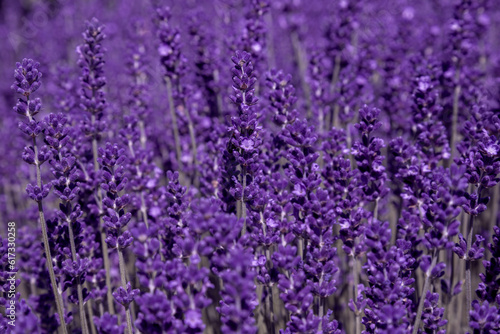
91 61
28 80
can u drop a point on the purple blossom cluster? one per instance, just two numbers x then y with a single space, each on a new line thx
250 167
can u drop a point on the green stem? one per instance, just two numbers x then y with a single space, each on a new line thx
143 137
123 277
104 245
375 209
175 127
454 120
424 293
142 210
355 274
243 205
83 317
194 148
321 306
333 86
45 238
218 96
91 316
299 56
271 57
468 281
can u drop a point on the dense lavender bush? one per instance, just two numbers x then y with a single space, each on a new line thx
251 166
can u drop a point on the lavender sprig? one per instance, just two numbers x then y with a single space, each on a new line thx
91 62
242 151
28 80
115 219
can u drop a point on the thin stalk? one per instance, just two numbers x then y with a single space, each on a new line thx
101 309
301 248
494 207
396 211
452 272
271 58
350 295
427 283
218 97
299 57
335 116
83 317
33 288
123 277
333 86
142 210
321 310
194 148
320 300
238 208
91 315
349 146
268 310
260 310
143 137
175 127
45 238
104 245
468 281
269 297
142 129
375 209
459 300
454 120
355 274
243 205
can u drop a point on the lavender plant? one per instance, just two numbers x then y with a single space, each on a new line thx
358 194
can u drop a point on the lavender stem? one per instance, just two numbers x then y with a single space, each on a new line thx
454 120
427 283
83 317
104 245
175 128
468 281
355 274
299 56
50 267
123 277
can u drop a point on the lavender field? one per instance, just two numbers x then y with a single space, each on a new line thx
250 166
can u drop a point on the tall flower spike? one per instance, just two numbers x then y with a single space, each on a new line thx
66 179
241 156
92 97
171 58
238 297
27 81
282 97
174 66
113 160
91 61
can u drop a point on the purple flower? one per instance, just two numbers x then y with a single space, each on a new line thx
108 324
125 296
484 317
238 296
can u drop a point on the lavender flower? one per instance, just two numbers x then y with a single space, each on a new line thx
27 82
242 151
113 182
359 195
238 298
